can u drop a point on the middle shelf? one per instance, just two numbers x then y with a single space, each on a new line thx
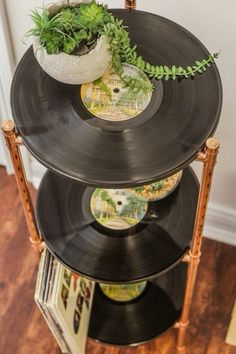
150 248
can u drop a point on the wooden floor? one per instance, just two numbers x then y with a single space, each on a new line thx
23 330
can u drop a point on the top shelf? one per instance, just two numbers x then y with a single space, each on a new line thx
65 137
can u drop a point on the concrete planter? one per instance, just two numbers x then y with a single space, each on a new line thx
73 69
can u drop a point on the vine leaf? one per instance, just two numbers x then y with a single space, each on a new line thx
85 23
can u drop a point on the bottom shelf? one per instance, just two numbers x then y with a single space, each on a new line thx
143 319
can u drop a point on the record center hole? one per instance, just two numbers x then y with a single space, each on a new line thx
119 203
116 90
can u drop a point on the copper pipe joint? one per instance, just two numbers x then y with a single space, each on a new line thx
184 324
130 4
181 349
190 257
8 127
212 144
38 246
179 324
201 156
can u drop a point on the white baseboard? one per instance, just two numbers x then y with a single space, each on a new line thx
221 224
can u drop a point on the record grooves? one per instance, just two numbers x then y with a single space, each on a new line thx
119 237
151 247
143 319
64 136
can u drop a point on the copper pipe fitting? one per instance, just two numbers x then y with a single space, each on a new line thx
130 4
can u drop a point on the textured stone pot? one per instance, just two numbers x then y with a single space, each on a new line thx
73 69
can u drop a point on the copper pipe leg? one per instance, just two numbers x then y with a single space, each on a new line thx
208 157
13 141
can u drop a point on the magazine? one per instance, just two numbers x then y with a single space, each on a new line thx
71 304
65 300
45 272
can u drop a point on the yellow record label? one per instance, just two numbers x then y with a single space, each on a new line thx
123 293
107 98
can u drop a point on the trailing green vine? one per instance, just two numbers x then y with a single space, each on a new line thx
123 52
77 28
103 87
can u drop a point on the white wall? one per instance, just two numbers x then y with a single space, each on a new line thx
6 72
213 22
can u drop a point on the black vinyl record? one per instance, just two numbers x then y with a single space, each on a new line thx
64 136
151 247
143 319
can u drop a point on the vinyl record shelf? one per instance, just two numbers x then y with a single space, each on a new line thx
166 252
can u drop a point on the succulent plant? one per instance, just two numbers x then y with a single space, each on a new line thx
82 24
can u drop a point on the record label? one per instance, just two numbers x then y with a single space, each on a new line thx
117 209
123 293
107 98
158 190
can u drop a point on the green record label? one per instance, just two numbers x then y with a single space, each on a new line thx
107 98
117 209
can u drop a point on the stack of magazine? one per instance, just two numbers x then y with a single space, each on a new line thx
65 300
